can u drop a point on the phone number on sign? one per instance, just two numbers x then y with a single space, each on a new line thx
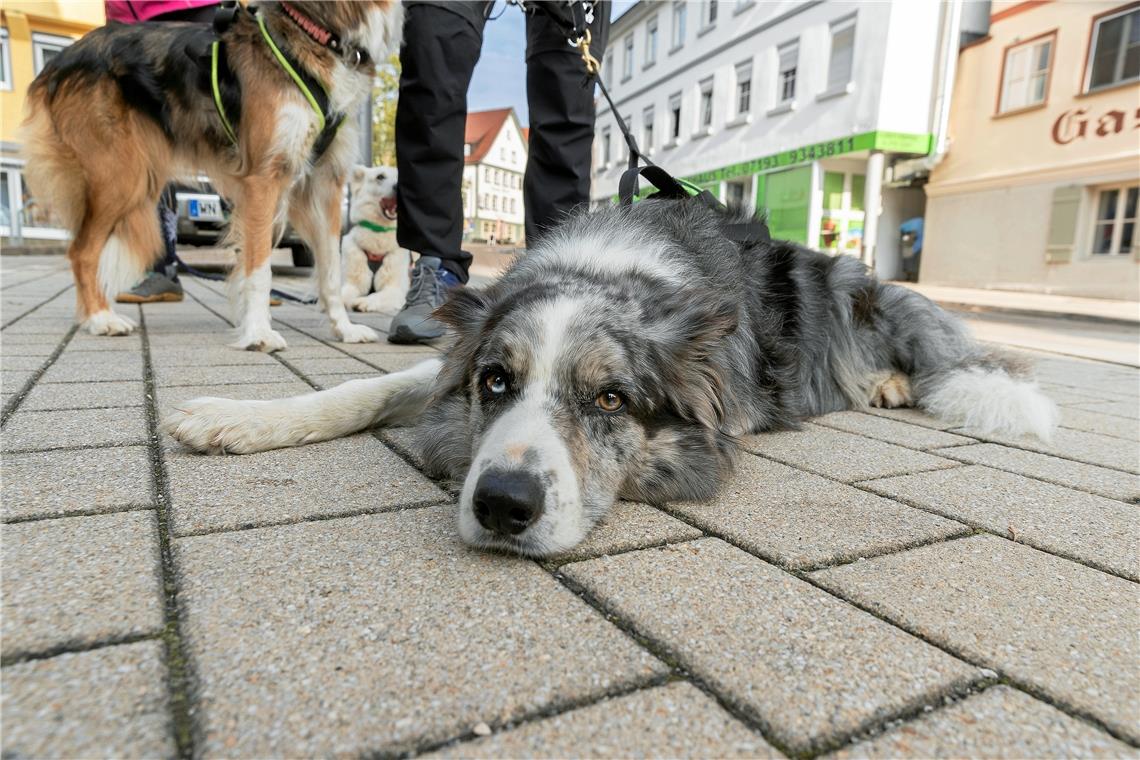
821 150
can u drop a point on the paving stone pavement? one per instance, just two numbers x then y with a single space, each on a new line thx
878 584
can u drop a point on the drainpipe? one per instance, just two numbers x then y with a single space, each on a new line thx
947 70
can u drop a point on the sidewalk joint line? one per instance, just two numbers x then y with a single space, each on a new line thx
426 504
46 654
41 304
14 402
77 513
179 668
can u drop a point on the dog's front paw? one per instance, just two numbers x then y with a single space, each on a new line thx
266 340
218 426
107 322
377 302
349 332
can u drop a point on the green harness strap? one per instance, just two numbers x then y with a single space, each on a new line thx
282 61
373 227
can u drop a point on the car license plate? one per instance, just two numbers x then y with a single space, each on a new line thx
205 209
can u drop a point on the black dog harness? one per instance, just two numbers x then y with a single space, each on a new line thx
225 88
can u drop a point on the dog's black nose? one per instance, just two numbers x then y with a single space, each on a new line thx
508 501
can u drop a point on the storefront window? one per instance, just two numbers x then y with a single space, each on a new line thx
787 199
1115 226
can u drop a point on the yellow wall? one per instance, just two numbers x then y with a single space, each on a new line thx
65 18
989 151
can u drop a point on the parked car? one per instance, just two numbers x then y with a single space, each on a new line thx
203 216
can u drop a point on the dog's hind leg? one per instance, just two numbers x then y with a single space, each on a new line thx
218 425
315 214
393 280
890 390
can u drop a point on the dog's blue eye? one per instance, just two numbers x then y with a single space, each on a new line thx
495 383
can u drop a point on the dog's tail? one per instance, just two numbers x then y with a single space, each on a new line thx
53 170
960 381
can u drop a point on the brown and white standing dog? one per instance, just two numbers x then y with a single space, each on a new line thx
376 269
127 108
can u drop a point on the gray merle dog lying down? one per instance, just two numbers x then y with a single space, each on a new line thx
624 357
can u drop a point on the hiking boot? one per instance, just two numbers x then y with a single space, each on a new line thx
430 284
154 288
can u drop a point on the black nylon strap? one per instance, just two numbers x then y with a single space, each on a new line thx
667 186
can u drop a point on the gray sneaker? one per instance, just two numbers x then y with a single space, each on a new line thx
430 284
154 287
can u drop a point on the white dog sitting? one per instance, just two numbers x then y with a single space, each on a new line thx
376 269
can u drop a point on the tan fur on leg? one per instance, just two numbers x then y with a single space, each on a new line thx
891 391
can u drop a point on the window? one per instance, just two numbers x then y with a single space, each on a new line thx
680 11
1115 228
47 46
647 130
786 74
627 58
743 88
5 62
629 123
710 13
609 70
675 118
466 149
1114 55
606 155
1025 75
842 53
651 42
705 123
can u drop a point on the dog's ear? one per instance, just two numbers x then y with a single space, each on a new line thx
357 178
687 329
464 310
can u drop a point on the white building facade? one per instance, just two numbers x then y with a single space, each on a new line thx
796 108
495 153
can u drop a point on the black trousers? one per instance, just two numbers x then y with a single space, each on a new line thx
442 41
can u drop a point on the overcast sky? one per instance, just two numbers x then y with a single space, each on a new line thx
500 77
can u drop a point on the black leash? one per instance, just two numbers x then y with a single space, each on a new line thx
185 268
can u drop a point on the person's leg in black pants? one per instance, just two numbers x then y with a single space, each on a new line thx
441 48
561 120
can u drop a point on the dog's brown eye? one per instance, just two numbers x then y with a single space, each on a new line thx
609 402
495 383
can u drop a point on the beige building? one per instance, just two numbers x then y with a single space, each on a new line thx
1039 188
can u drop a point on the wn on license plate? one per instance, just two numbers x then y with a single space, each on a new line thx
205 209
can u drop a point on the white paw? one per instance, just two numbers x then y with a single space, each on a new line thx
348 332
220 426
377 302
266 340
107 322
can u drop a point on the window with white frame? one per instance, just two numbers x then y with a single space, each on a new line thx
628 119
606 155
1114 53
651 41
1114 230
789 54
744 88
627 58
1025 74
46 47
647 130
705 113
609 70
675 118
842 53
5 61
708 14
680 13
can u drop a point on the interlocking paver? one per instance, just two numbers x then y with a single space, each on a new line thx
673 721
13 362
1129 409
334 366
999 722
630 525
325 382
80 580
801 520
222 375
381 632
891 431
840 455
13 380
1091 448
51 396
1063 628
110 702
197 356
338 477
85 342
57 483
72 428
85 367
1096 422
811 668
42 349
1100 531
1084 477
